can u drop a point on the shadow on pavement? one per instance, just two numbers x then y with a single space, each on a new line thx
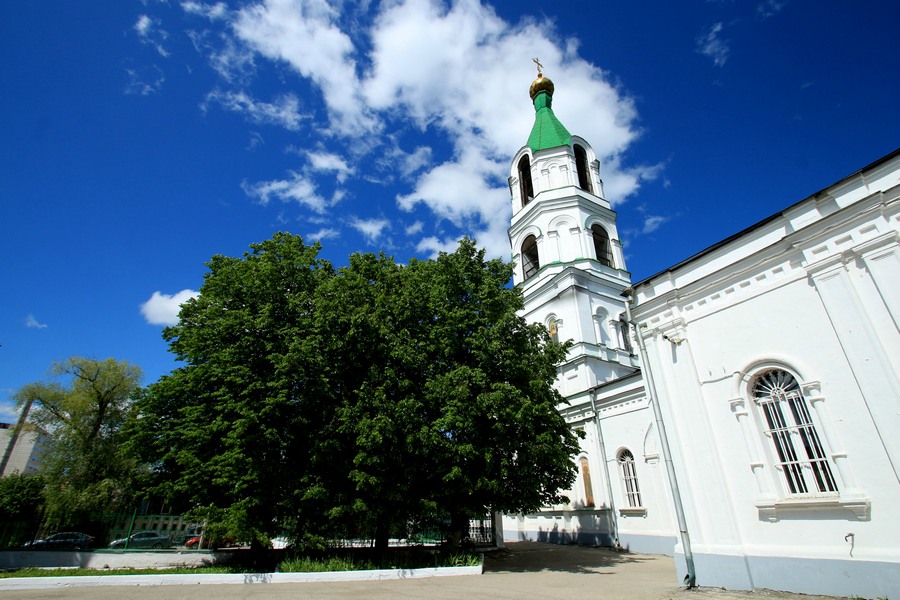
535 557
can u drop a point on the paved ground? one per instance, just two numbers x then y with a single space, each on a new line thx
525 570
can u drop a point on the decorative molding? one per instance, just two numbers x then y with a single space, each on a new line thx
774 510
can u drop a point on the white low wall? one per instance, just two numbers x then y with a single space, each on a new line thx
33 583
105 559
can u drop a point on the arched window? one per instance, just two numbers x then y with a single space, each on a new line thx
586 478
581 164
624 333
553 328
601 330
530 262
601 245
629 478
526 189
798 449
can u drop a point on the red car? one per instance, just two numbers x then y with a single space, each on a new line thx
194 542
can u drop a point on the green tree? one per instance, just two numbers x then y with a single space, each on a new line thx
447 405
229 433
83 409
21 507
322 401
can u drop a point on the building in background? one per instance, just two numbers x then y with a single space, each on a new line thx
28 451
775 359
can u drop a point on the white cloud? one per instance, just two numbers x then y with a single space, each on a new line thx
712 45
652 223
305 34
284 111
326 233
149 31
299 188
370 228
162 309
414 228
458 71
213 12
329 162
32 323
144 80
770 8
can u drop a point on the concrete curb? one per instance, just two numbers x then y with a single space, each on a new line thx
39 583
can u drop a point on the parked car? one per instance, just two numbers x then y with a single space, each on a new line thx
144 539
194 542
64 540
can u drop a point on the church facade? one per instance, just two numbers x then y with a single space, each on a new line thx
741 409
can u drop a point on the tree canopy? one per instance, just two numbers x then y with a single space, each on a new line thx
321 401
83 408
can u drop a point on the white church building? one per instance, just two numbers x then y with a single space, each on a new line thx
741 409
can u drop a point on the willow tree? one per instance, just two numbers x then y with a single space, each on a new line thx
82 408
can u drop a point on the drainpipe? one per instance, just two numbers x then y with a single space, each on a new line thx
690 580
609 493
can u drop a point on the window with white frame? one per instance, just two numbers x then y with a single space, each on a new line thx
798 450
629 478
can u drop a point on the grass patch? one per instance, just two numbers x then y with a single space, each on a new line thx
394 560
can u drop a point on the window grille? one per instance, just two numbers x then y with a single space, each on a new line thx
800 455
629 479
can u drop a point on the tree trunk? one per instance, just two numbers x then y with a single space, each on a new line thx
459 529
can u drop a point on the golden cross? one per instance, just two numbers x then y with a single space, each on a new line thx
539 65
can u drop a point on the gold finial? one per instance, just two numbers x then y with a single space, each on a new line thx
541 83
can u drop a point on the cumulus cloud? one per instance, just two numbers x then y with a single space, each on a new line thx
32 323
163 309
457 70
414 228
330 163
305 35
297 188
712 45
370 228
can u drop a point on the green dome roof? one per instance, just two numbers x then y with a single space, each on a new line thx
547 132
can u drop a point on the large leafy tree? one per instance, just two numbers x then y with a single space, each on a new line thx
231 431
83 408
324 401
446 403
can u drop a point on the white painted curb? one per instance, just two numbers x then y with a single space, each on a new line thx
38 583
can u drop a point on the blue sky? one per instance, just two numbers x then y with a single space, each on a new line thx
140 138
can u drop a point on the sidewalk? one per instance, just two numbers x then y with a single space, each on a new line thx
524 570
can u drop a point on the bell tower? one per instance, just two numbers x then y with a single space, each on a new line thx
569 261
